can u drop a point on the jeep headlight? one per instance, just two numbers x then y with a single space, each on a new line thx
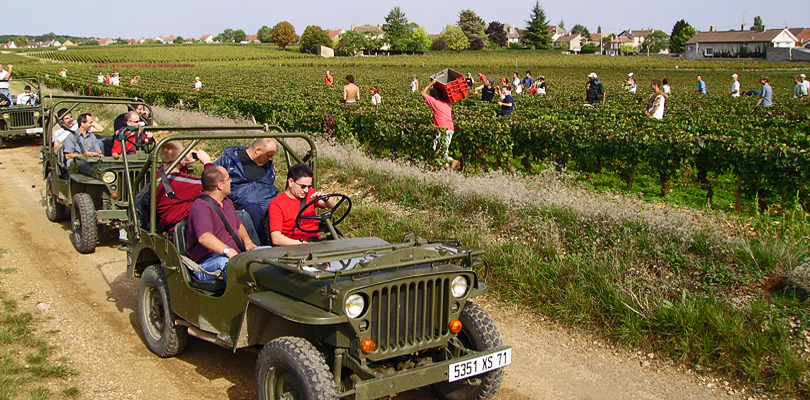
6 116
459 286
108 177
36 114
355 304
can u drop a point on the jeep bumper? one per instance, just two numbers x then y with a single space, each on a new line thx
415 378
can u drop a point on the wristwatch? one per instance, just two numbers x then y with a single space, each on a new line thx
226 251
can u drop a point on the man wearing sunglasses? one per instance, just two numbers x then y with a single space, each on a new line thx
285 207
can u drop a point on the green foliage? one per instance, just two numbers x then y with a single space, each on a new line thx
313 37
496 34
439 45
681 33
471 24
265 34
178 40
227 36
283 34
627 48
455 38
239 36
91 42
655 42
536 34
351 43
20 41
396 27
418 41
758 25
581 29
589 48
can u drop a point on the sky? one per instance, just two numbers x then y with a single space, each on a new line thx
186 18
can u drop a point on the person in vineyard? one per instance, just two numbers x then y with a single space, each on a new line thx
701 85
539 86
528 81
799 90
470 82
328 79
442 117
376 99
115 79
351 93
197 83
805 82
666 88
594 91
766 94
630 83
107 79
100 78
414 84
487 90
135 79
508 102
62 73
735 86
517 84
655 104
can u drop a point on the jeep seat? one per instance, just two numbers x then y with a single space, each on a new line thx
106 143
216 286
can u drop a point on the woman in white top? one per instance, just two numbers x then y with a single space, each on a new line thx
376 99
666 88
655 104
517 84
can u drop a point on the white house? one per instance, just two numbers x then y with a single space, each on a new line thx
569 42
737 43
556 32
207 39
512 34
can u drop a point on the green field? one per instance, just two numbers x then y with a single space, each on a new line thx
721 292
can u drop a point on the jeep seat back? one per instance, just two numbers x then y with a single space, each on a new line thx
216 286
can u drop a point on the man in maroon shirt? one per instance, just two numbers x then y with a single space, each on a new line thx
208 241
186 188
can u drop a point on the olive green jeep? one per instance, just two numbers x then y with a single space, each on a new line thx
25 116
357 318
95 189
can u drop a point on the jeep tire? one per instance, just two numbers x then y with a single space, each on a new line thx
292 368
158 323
54 210
83 223
478 332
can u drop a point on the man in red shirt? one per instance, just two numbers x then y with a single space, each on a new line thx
285 207
442 116
186 188
133 121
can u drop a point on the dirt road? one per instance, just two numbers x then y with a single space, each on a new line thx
92 303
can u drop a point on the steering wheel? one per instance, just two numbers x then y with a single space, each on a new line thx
144 143
327 219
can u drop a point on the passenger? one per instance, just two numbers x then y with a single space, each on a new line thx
5 77
285 207
251 169
130 134
4 101
208 240
67 125
121 120
82 143
173 209
27 98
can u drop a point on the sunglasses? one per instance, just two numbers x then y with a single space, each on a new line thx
303 186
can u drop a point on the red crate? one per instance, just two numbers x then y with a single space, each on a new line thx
452 84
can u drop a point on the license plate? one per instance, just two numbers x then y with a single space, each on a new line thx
33 130
479 365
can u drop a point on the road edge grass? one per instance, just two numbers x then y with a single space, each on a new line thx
711 300
28 364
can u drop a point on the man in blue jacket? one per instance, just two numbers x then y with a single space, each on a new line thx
252 179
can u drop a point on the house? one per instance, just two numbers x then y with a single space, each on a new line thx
556 32
334 34
569 42
207 39
170 39
51 43
803 36
373 32
512 34
9 45
129 41
251 39
105 41
68 43
737 43
614 47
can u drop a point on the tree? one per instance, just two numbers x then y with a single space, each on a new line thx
471 24
396 27
455 38
655 42
313 37
21 41
91 42
536 34
758 25
681 33
439 44
225 37
351 43
283 34
419 40
478 44
265 34
562 24
239 36
599 29
179 40
496 34
581 29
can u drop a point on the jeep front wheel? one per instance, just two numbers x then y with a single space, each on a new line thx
292 368
479 333
54 210
83 221
158 324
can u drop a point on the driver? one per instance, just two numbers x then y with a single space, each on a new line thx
285 207
130 133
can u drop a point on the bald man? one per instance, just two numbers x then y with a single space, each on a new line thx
253 175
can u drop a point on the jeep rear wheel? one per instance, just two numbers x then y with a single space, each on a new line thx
292 368
83 221
158 324
54 210
479 333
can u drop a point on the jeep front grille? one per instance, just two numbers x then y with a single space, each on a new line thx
409 314
123 193
22 119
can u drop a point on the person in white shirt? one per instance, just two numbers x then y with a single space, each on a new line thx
805 82
115 79
655 104
197 83
27 98
666 88
414 84
735 86
376 99
67 126
5 76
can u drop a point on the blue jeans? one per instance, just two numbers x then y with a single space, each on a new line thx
256 215
217 263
